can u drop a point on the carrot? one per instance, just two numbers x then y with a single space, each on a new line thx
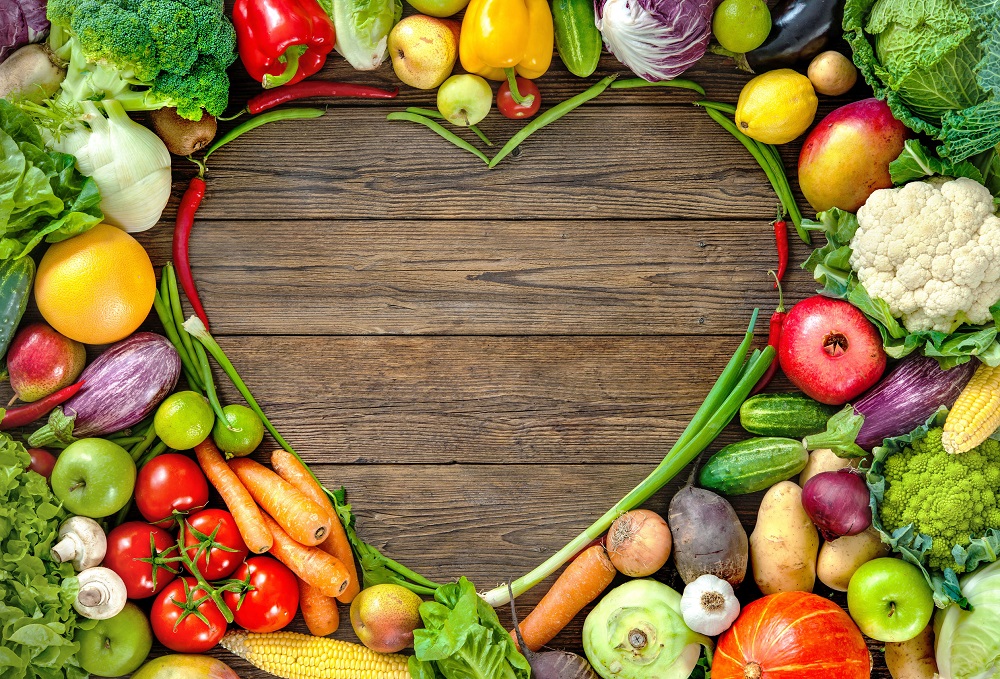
324 572
303 519
241 505
290 469
318 610
582 582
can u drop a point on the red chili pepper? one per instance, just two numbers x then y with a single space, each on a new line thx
781 244
315 88
29 412
182 235
773 337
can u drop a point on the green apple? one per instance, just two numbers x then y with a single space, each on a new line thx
890 600
115 646
93 477
438 8
465 99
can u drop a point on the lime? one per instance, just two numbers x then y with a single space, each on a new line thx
183 420
244 434
741 25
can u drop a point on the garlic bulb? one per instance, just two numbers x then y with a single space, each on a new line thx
129 163
709 605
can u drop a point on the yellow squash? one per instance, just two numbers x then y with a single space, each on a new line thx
507 34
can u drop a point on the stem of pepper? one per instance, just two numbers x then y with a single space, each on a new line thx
514 92
291 61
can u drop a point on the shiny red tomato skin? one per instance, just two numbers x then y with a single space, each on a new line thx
167 483
513 110
217 563
127 544
190 635
272 602
42 461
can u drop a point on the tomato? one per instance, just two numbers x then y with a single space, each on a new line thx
272 602
168 483
128 544
510 108
227 550
42 461
186 633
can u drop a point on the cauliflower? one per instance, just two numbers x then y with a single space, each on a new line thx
930 250
951 498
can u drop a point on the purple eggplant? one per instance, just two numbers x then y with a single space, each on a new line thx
122 386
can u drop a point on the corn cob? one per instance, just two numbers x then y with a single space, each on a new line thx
976 413
300 656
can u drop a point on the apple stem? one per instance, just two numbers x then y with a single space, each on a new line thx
514 92
892 608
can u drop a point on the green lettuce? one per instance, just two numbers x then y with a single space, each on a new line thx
937 65
42 194
363 29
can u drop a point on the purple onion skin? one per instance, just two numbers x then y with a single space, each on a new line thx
910 394
124 385
838 503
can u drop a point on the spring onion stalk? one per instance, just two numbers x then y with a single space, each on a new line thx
630 83
720 406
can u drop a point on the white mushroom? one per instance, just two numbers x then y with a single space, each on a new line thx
82 541
709 605
102 594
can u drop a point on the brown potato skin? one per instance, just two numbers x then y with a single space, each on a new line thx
838 559
784 544
913 659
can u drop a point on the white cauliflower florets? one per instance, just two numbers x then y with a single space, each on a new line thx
931 250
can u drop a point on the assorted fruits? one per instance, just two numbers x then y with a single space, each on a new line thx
880 475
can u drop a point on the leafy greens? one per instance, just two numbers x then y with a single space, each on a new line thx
42 194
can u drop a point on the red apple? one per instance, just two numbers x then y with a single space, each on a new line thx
846 157
41 361
830 350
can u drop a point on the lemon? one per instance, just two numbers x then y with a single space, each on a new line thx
776 107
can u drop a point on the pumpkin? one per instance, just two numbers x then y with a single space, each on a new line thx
792 635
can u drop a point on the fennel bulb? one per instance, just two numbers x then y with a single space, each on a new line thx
129 163
967 643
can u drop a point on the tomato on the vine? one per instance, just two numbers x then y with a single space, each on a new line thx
168 483
176 622
271 602
509 108
130 554
223 550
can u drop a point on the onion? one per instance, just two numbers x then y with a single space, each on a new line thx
639 543
838 503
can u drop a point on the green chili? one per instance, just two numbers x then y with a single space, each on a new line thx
630 83
550 116
431 125
262 119
431 113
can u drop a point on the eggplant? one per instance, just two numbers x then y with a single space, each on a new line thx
121 387
800 30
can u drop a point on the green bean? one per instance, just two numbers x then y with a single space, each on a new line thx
431 125
717 105
167 321
431 113
263 119
174 302
630 83
210 391
550 116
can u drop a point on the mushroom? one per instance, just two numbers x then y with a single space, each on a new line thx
82 541
102 594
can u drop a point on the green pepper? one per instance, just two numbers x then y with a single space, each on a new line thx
577 39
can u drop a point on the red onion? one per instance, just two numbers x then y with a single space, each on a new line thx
838 503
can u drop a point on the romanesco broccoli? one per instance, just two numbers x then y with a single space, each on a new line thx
950 498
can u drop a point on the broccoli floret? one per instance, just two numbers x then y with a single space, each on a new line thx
951 498
153 47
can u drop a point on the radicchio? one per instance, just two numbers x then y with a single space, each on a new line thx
657 39
22 22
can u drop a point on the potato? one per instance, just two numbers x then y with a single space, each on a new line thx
824 460
831 73
913 659
838 559
784 543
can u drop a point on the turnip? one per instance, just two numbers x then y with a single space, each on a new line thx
32 73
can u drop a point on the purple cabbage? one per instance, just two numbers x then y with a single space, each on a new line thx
657 39
22 22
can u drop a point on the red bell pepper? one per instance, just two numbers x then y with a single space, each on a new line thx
282 41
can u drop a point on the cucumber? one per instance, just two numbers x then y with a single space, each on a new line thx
577 39
16 276
790 415
754 464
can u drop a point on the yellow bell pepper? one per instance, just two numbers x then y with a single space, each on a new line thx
498 35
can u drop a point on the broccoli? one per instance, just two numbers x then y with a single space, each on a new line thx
147 54
950 498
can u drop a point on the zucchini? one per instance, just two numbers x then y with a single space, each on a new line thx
754 464
16 276
789 415
577 39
